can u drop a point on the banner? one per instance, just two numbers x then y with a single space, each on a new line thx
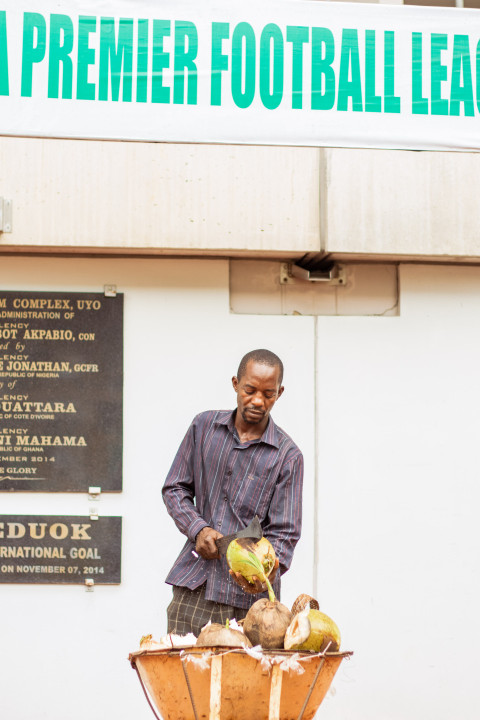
289 72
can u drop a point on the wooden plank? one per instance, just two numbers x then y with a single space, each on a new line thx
216 687
275 693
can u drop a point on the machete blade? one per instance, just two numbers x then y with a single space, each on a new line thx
253 531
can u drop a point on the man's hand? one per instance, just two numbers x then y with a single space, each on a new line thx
205 543
257 586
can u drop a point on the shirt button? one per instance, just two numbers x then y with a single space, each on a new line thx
229 472
225 498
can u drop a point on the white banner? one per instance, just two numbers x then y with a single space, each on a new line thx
283 72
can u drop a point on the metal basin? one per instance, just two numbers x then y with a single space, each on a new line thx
231 684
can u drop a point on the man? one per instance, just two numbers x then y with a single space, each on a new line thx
230 467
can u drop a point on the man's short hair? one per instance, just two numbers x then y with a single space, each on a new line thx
262 356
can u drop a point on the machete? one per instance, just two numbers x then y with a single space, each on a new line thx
253 531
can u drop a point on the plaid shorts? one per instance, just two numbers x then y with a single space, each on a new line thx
190 612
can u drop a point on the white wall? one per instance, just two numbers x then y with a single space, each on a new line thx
397 494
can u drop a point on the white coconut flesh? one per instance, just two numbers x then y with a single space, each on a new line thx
299 629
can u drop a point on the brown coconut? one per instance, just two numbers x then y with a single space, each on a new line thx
218 635
266 623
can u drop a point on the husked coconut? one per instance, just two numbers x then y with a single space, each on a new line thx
216 635
266 623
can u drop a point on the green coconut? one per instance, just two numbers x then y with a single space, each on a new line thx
312 630
250 558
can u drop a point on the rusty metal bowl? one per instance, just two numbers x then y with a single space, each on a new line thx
232 684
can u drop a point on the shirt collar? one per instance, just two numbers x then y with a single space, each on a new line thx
270 435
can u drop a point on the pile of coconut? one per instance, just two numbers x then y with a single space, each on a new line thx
268 623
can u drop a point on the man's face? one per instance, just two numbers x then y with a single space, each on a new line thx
257 391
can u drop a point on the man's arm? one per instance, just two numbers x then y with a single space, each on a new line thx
179 489
178 495
283 523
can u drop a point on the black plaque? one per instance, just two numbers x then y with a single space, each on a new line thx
61 391
60 549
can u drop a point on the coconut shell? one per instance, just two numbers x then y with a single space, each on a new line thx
302 601
266 623
216 635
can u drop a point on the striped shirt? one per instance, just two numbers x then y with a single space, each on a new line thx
219 482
